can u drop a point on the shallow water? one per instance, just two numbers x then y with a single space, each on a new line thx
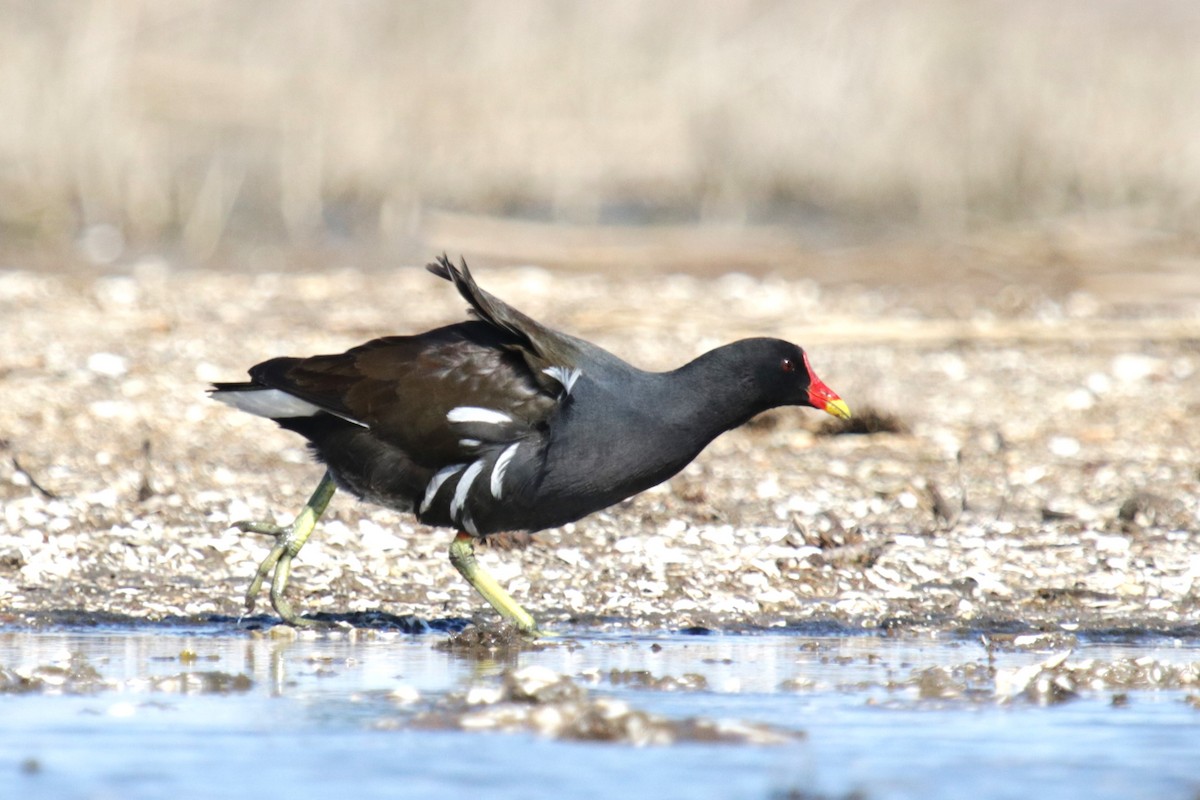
333 714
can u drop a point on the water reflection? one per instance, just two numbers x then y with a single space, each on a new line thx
216 710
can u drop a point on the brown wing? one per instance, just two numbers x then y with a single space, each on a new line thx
405 388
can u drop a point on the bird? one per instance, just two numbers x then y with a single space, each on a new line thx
500 424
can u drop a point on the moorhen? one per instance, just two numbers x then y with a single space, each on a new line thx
501 424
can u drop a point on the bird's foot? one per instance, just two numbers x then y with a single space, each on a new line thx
288 541
278 565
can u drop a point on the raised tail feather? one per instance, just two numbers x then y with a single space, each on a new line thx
552 347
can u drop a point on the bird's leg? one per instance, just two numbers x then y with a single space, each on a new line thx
288 541
462 556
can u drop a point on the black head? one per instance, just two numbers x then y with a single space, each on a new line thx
782 376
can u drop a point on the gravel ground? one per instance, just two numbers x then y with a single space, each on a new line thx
1030 460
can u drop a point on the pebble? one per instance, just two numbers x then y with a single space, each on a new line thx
1064 446
107 364
1135 367
1079 399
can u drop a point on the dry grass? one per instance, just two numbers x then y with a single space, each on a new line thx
202 122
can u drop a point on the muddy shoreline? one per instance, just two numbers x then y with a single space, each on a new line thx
1032 466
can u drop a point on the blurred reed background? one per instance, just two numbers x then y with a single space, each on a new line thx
649 132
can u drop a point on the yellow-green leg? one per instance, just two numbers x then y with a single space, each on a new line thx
288 541
462 556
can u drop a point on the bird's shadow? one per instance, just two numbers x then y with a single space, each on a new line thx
85 620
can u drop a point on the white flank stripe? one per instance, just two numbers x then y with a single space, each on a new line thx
435 483
499 468
464 486
270 403
489 416
566 377
469 443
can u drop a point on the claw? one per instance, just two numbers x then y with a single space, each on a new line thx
288 541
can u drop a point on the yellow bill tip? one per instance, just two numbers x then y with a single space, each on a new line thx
838 408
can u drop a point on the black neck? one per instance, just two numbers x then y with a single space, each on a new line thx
710 395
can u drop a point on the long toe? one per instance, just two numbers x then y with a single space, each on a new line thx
265 568
279 601
255 526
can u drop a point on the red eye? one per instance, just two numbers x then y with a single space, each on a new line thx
787 365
